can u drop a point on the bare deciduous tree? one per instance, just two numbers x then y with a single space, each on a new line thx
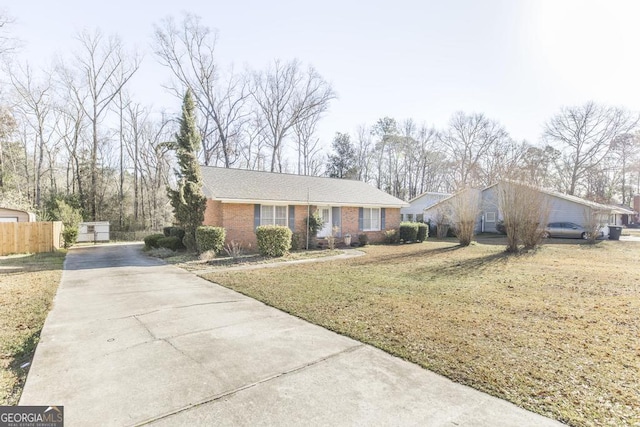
103 69
188 50
525 212
585 135
464 210
286 95
307 145
35 104
7 128
8 43
627 150
468 140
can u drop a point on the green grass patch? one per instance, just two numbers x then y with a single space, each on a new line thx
554 331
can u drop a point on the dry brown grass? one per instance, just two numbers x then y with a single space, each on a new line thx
555 331
27 287
193 262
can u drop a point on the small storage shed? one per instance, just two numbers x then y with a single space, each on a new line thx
97 231
16 215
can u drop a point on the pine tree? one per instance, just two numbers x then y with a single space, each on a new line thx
187 200
342 164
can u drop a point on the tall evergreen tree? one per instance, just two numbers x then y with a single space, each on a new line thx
187 200
342 164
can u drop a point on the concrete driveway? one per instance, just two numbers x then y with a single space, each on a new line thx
131 341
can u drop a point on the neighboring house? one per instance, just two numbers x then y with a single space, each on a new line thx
622 215
16 215
562 208
241 200
417 205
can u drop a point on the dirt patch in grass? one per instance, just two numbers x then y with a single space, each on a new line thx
556 331
27 287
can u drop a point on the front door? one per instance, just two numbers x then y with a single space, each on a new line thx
325 215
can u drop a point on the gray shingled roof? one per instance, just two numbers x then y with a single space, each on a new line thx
253 186
574 199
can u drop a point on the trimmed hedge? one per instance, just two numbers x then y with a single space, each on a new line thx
391 236
408 231
151 241
423 232
210 238
363 239
171 242
273 240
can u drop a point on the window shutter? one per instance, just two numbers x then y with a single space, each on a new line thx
256 216
336 219
360 219
292 218
382 218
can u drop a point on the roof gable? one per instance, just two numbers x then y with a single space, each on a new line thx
246 186
573 199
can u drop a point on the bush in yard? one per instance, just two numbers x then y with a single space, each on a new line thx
433 228
525 210
210 238
71 218
273 240
363 239
151 241
423 232
69 235
391 236
408 231
465 207
171 242
296 239
173 231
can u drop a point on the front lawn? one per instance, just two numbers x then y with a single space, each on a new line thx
556 331
28 284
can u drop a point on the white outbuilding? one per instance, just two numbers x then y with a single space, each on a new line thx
97 231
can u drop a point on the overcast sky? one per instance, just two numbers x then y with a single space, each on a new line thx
516 61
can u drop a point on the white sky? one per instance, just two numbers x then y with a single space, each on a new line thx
516 61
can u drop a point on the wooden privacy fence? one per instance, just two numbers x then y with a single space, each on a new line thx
29 237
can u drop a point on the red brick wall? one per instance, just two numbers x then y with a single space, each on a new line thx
350 223
237 219
213 213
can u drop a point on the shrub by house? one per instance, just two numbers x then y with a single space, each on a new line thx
273 240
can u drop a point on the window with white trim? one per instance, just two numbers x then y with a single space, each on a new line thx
371 219
490 217
273 215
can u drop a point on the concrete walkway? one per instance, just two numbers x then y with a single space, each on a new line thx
131 341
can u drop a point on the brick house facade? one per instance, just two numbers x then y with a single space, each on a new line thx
241 200
239 221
